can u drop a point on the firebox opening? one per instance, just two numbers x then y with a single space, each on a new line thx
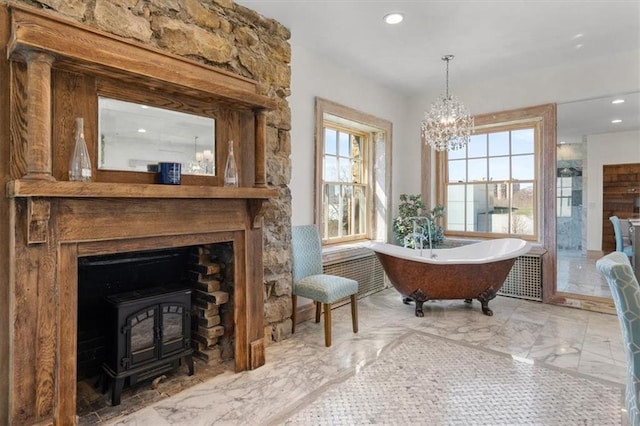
107 275
204 272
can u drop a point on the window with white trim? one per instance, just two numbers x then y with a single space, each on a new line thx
353 174
344 184
491 186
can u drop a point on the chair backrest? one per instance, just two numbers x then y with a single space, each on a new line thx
306 251
618 232
626 296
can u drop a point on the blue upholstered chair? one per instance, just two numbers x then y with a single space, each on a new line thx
311 283
617 230
626 296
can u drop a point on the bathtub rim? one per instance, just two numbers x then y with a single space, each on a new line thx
447 256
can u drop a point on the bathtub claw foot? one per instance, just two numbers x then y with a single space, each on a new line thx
407 300
486 310
419 297
484 298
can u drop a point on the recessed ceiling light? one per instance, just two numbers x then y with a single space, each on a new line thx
617 101
393 18
141 130
616 121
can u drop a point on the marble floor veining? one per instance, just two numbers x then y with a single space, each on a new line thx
577 273
299 368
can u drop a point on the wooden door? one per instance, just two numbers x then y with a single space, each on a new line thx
620 192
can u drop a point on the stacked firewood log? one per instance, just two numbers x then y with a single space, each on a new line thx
207 298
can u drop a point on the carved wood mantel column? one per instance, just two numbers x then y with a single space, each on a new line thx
261 149
39 115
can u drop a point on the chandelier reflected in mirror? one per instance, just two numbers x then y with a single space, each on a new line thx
447 125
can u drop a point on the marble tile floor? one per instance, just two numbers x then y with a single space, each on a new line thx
577 274
298 368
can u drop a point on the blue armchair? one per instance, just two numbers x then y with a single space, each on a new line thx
309 281
626 296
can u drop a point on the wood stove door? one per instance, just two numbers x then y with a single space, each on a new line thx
142 339
174 330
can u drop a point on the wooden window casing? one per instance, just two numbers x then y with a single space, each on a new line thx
376 136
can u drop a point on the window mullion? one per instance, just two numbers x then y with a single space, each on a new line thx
340 211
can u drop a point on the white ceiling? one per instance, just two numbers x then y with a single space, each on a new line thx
489 38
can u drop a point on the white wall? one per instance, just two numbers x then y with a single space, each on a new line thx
313 76
613 148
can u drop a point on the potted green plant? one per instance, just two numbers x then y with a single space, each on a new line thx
410 208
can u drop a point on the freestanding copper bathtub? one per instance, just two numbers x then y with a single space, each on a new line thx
473 271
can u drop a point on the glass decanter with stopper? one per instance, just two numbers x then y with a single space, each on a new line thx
80 163
231 169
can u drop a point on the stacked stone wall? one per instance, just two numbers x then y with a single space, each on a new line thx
234 38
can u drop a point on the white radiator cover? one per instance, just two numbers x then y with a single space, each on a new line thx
366 269
525 279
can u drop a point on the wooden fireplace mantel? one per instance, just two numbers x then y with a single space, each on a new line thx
22 188
83 49
52 222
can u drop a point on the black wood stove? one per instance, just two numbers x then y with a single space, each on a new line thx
151 335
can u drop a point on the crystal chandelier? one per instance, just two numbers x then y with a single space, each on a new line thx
448 124
202 162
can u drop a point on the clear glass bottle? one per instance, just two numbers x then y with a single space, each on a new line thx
80 163
231 169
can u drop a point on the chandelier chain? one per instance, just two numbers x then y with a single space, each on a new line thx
447 86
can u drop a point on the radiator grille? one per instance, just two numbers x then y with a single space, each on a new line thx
367 270
525 279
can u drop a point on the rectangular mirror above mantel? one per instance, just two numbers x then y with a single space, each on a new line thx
58 69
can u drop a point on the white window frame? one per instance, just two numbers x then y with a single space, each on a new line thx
487 130
356 185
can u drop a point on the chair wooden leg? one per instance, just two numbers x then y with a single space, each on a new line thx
318 310
354 312
327 325
294 302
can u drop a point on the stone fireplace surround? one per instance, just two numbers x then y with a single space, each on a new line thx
53 222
